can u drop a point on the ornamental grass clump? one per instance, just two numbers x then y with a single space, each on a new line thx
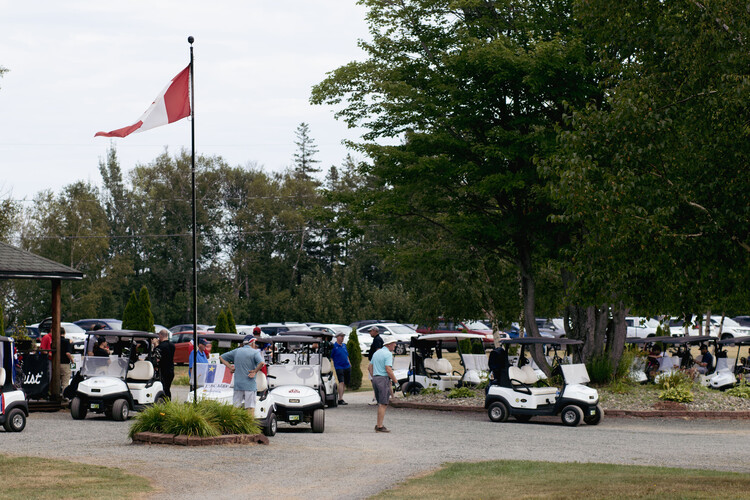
206 419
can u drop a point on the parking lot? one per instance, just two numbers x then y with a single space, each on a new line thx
350 460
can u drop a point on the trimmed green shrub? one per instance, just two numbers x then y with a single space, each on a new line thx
355 358
147 317
600 369
679 393
461 392
465 346
130 316
221 323
230 321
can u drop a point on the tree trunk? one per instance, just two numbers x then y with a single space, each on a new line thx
616 340
528 294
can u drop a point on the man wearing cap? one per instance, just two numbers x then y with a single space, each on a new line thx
377 344
342 365
200 357
381 371
245 362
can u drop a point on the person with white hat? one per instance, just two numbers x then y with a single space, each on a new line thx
381 371
245 362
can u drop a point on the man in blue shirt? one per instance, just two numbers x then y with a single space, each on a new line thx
245 362
200 357
381 371
342 365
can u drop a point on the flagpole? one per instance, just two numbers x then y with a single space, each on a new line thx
195 246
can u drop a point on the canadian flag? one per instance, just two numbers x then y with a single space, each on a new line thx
172 104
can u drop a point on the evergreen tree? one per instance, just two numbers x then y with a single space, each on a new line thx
146 316
232 326
221 323
304 161
355 358
130 316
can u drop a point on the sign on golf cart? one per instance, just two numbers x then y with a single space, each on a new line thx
514 390
120 382
13 406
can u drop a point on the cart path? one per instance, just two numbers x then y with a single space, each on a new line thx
350 460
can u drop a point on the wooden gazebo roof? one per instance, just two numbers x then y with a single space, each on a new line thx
20 264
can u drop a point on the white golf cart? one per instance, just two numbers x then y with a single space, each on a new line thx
428 371
328 385
514 389
13 406
728 373
295 380
119 383
679 358
216 383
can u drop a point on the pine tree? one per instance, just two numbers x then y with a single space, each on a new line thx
304 161
230 321
355 358
146 316
130 316
221 323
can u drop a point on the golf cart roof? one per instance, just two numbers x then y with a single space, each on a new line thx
541 340
450 336
233 337
290 339
306 333
122 333
736 341
647 340
689 339
5 339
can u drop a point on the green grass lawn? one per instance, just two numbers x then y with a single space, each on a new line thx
39 478
530 480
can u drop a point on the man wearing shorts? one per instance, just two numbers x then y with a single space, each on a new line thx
245 362
342 365
381 371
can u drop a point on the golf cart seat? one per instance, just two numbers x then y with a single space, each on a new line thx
2 376
140 375
526 377
261 382
325 366
442 367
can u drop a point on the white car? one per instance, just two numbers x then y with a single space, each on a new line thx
641 327
332 328
401 333
729 329
74 333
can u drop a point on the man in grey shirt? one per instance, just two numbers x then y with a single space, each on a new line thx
245 362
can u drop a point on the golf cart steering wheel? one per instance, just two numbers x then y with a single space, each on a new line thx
432 373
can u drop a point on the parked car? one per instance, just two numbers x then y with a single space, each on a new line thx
451 327
99 324
401 333
333 329
742 320
74 333
272 329
641 327
364 322
185 327
183 346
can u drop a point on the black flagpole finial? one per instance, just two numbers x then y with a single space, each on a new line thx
191 40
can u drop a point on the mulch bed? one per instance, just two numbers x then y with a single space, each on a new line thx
180 440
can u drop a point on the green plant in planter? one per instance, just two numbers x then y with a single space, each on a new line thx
461 392
679 393
741 391
205 419
427 391
675 378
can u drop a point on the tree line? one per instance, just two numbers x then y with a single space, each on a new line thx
520 159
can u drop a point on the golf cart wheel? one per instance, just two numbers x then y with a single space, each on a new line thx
400 349
160 398
411 388
16 420
498 412
272 424
522 418
77 410
571 415
120 410
319 420
596 417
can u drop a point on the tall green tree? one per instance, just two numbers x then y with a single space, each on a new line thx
146 316
473 92
304 157
221 323
131 316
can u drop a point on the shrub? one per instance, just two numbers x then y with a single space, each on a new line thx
621 386
205 419
230 321
428 391
461 392
229 419
600 369
222 326
477 347
626 362
465 346
188 420
674 379
741 391
679 393
355 358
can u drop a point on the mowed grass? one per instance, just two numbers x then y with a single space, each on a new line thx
531 480
39 478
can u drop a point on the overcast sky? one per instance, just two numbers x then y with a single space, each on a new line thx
80 66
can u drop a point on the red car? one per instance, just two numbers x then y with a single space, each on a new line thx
183 346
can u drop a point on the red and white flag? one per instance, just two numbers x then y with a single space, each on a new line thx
172 104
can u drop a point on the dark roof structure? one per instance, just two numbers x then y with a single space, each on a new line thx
20 264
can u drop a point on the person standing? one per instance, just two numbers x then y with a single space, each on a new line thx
164 357
66 358
245 362
381 371
377 344
197 356
342 365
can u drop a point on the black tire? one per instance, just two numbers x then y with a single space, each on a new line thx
522 418
319 420
411 388
333 401
272 424
120 410
727 336
400 349
498 412
571 416
77 410
15 420
596 418
160 398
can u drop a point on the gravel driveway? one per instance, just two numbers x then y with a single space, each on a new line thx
350 460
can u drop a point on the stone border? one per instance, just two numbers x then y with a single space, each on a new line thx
181 440
732 415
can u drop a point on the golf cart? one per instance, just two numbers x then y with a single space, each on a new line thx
13 406
680 357
328 385
427 371
119 383
216 383
513 390
728 374
295 380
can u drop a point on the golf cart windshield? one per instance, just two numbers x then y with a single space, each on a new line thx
104 366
